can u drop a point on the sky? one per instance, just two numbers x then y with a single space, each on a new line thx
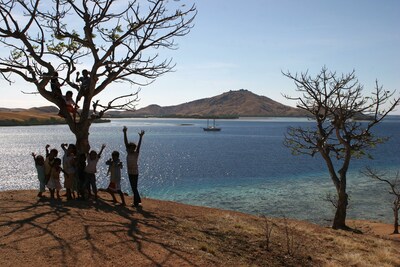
247 44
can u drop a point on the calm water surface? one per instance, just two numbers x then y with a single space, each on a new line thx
244 167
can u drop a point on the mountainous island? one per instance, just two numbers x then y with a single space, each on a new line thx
240 103
232 104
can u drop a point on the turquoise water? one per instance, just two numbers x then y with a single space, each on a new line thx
245 167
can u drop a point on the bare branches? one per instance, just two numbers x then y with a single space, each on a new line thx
29 93
25 37
333 199
394 184
129 104
110 41
292 245
119 40
394 190
268 228
336 103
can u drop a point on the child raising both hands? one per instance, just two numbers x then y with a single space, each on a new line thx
132 159
39 164
91 169
114 169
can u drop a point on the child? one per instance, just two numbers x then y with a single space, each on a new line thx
50 156
80 175
39 164
55 85
132 165
69 168
54 183
85 83
91 169
115 166
69 102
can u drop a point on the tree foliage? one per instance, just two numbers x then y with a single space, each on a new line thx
117 41
344 119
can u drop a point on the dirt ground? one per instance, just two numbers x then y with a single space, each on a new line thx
38 232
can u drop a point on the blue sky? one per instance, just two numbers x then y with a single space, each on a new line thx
246 44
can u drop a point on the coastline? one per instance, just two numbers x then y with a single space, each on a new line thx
207 170
34 117
40 122
59 232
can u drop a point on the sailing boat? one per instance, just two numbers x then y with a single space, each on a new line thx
211 128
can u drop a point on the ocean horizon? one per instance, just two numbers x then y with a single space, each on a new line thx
244 167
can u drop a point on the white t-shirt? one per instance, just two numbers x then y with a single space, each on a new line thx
67 163
91 165
132 163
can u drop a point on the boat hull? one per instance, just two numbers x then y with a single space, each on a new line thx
212 129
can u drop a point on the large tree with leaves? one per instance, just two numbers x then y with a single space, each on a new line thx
335 103
118 40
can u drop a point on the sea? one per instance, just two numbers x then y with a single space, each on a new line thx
245 167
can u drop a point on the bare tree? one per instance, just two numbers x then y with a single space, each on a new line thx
119 40
268 229
334 103
394 185
292 245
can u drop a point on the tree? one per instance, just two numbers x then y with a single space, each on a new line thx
119 40
394 190
334 103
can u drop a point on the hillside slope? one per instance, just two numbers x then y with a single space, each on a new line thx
241 103
32 116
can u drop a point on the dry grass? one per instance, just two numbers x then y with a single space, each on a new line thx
28 117
170 234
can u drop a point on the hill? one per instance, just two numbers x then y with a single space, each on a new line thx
38 232
232 104
47 115
240 103
32 116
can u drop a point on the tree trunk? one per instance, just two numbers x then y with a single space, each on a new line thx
339 222
396 220
82 139
80 125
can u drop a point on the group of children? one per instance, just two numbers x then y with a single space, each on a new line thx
80 169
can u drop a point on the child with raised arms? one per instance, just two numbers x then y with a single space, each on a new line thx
54 183
91 169
48 163
132 159
114 169
39 164
69 168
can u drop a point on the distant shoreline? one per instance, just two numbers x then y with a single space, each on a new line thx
220 117
52 121
36 122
